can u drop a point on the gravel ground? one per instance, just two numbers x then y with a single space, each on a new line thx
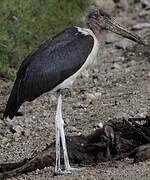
118 85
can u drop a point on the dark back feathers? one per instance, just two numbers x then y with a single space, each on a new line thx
49 65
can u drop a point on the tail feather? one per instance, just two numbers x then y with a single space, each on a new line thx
12 104
10 112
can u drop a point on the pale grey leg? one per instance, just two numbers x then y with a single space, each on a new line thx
61 134
57 131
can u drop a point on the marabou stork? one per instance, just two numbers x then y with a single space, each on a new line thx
55 65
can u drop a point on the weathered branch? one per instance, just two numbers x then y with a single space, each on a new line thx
119 138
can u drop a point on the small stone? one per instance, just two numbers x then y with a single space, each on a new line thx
107 5
67 120
98 94
124 4
45 113
145 4
110 38
53 98
14 18
121 115
117 66
91 96
4 140
78 105
27 133
123 44
142 112
133 63
144 13
33 117
16 136
79 133
100 125
140 26
28 120
86 74
73 129
18 129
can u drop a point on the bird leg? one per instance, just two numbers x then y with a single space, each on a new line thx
60 135
57 166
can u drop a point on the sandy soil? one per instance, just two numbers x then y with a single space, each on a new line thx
118 85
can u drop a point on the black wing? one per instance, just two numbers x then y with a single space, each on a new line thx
48 66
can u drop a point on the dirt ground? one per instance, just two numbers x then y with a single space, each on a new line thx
119 85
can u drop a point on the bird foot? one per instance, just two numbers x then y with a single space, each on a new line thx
58 172
68 170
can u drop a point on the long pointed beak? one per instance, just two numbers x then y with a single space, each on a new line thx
118 29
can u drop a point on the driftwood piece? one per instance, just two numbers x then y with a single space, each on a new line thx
117 139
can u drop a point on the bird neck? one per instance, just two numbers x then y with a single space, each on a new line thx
99 33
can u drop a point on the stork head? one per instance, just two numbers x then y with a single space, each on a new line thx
98 20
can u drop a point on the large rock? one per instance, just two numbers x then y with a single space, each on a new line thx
107 5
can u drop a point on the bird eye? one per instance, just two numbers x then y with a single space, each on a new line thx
95 15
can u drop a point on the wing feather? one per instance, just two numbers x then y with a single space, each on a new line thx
48 66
